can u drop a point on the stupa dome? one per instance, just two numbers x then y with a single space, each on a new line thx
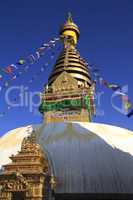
85 157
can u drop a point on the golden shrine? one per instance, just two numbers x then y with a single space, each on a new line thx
26 176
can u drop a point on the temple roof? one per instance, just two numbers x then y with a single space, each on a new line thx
69 59
72 64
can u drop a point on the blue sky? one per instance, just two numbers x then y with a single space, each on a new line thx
106 39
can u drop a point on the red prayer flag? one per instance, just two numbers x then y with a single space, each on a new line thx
8 70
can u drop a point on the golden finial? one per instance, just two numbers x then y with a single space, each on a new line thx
69 19
70 30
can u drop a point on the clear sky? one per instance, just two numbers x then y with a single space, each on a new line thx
106 39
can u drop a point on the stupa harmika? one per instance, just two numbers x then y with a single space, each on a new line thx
67 156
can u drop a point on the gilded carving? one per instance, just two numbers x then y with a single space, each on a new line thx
26 173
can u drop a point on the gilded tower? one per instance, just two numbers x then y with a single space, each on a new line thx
69 94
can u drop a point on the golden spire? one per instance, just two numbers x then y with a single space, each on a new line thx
70 20
69 60
68 82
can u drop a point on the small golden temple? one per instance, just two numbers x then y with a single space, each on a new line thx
26 176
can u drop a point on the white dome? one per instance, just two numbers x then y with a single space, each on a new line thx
85 157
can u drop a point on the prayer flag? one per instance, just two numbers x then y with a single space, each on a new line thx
128 105
103 82
45 45
41 51
52 41
8 70
21 62
56 39
114 87
14 77
12 65
31 59
38 54
126 102
130 113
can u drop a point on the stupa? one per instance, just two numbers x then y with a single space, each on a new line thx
67 156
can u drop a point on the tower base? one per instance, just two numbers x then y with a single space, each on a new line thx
80 116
